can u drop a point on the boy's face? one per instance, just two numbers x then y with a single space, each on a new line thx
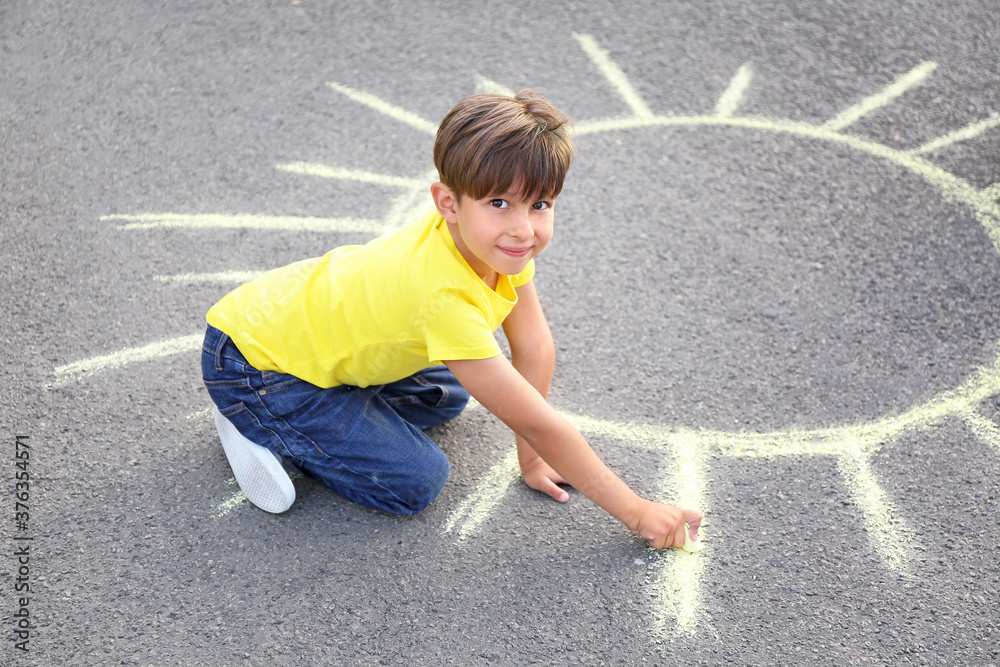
498 234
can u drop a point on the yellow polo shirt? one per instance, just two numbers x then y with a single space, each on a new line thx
370 314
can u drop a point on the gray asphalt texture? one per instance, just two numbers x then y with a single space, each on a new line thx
715 278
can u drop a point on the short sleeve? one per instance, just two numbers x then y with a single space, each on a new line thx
454 326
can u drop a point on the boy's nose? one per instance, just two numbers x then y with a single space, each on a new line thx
521 227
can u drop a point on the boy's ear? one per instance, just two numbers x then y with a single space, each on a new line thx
445 201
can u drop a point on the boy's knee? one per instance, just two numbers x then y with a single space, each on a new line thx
422 487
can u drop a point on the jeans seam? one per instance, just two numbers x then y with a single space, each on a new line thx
408 399
226 384
305 437
281 386
242 407
232 410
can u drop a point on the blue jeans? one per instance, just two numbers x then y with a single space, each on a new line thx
365 443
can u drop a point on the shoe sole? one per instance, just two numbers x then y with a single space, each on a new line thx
257 469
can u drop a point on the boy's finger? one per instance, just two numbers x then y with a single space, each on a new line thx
657 543
691 543
692 519
555 491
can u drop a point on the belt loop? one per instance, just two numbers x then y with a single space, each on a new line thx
218 350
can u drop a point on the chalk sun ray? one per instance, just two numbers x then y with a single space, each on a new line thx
237 497
914 77
484 85
677 575
614 75
204 413
385 108
491 489
141 354
360 176
411 203
285 223
218 278
984 429
886 532
679 608
970 131
733 96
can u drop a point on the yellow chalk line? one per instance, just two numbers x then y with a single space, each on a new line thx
622 431
244 221
733 96
886 532
688 478
235 500
490 490
992 192
383 107
970 131
677 589
200 414
230 503
411 204
825 441
87 367
914 77
615 76
484 85
985 429
852 446
339 173
677 575
952 187
220 277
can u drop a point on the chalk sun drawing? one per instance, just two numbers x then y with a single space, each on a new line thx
678 585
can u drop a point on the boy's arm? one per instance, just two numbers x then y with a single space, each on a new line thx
501 390
533 355
516 397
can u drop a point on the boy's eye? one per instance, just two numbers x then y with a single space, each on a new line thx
541 205
499 203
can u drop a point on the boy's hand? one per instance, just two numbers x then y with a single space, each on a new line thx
663 525
540 476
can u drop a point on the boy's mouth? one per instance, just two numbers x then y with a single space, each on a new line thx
515 252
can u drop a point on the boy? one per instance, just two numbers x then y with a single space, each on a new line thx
338 363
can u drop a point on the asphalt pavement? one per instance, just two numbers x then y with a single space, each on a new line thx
774 287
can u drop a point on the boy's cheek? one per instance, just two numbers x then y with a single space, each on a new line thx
545 234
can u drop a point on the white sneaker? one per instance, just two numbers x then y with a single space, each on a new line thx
257 469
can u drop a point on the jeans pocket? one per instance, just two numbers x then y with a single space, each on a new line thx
429 391
273 382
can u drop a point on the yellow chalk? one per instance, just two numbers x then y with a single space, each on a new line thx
691 546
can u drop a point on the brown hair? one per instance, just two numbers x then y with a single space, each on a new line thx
490 144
